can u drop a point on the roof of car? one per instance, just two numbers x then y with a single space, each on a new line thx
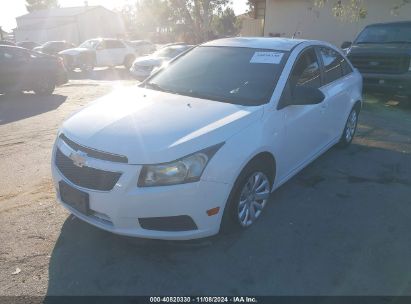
280 44
391 23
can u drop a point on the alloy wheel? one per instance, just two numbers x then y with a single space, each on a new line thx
253 198
351 126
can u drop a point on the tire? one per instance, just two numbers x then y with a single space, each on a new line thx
87 67
128 61
350 128
243 209
44 87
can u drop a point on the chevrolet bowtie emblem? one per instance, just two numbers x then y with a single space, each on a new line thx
79 158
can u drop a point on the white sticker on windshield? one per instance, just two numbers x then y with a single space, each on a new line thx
267 57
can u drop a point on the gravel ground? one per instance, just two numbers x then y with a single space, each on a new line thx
340 227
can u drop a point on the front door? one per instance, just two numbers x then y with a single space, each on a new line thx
304 134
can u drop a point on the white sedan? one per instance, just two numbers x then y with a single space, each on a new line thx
199 146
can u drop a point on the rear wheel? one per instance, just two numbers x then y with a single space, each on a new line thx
44 86
350 128
248 197
87 66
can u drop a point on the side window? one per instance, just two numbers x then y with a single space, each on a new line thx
13 55
101 45
333 65
114 44
306 71
345 67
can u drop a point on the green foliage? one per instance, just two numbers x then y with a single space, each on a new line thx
35 5
354 10
192 20
225 23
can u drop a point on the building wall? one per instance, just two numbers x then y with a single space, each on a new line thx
93 23
66 32
100 22
286 17
251 27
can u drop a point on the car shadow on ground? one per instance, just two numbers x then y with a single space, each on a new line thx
117 73
21 106
340 227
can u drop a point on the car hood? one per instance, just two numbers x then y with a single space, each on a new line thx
380 48
151 127
75 51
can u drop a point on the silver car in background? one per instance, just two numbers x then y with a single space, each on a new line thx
143 67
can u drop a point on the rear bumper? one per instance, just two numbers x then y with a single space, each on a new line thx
381 82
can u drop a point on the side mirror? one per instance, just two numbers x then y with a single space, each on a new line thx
346 44
306 96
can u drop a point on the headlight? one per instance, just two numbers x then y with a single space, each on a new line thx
185 170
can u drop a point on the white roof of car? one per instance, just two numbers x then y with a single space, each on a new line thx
279 44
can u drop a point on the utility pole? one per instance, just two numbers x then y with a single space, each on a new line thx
1 33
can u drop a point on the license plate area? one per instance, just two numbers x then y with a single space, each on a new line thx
75 198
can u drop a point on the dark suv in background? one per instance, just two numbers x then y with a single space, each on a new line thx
382 54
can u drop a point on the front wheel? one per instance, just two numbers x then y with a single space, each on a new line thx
350 129
248 198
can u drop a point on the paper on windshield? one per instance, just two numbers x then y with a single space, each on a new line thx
267 57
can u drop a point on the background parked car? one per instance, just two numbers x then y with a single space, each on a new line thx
143 47
7 42
28 44
53 47
144 66
99 52
25 70
382 54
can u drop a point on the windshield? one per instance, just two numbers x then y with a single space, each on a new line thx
228 74
170 52
89 44
385 34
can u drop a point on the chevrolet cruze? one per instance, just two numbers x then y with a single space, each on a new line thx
199 146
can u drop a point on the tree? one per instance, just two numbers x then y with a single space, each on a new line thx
35 5
197 15
251 8
225 23
354 10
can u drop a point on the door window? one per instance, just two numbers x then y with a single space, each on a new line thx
114 44
11 54
335 66
306 71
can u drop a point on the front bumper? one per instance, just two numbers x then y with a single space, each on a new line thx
383 82
120 210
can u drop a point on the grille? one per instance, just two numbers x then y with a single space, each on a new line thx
397 64
95 153
86 177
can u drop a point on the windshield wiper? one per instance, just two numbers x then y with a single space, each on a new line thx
399 41
366 42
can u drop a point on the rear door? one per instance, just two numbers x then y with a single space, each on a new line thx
338 84
110 52
14 68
